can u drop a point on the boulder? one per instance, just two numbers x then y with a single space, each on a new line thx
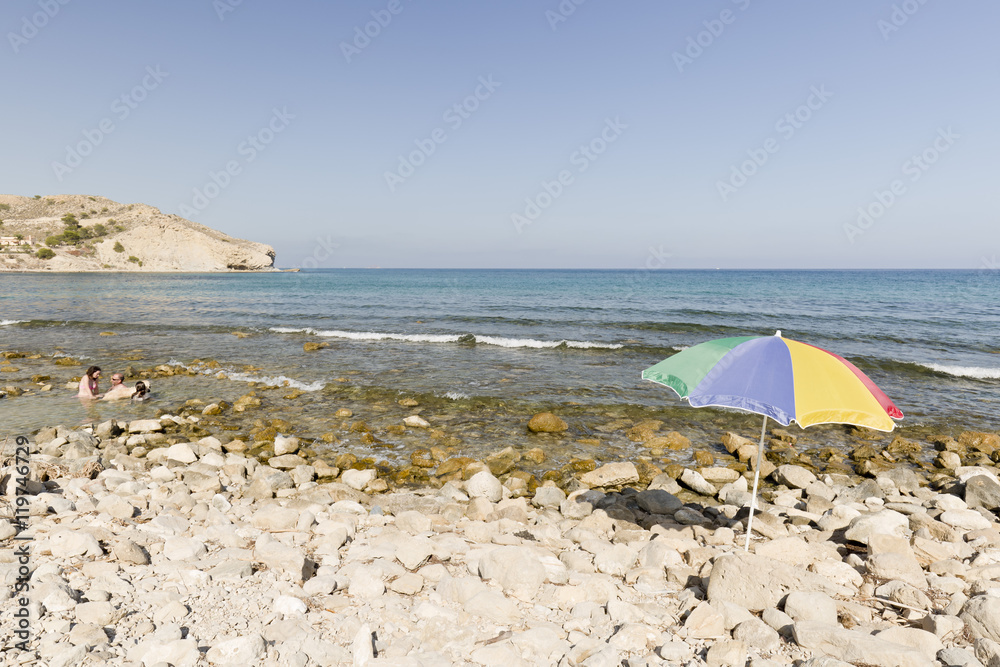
854 646
982 491
758 583
792 476
517 570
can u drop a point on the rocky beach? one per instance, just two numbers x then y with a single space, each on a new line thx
166 540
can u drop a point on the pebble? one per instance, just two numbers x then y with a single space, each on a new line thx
214 558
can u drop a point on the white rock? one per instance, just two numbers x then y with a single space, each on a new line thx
694 481
272 517
964 519
358 479
516 569
145 426
416 421
116 506
245 650
70 543
611 474
182 453
793 476
758 583
811 606
98 613
284 445
704 622
362 650
183 548
855 646
484 485
289 606
884 522
921 640
413 551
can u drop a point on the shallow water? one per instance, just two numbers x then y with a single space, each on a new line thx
483 350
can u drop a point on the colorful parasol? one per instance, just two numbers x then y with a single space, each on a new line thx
779 378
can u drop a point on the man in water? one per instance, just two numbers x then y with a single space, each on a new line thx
118 391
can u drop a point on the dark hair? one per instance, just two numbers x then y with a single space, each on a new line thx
92 370
140 388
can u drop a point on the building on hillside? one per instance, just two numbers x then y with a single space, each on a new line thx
8 241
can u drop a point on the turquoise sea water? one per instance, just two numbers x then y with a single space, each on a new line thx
536 339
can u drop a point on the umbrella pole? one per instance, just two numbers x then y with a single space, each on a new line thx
756 477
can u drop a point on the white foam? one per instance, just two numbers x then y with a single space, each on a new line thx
966 371
4 323
499 341
236 376
456 395
273 380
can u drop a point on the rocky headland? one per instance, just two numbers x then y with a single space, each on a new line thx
153 543
87 233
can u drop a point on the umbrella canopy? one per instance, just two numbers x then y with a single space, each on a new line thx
779 378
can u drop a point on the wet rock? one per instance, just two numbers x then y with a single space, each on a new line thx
672 441
546 422
415 421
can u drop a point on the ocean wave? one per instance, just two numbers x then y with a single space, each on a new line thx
272 380
238 376
966 371
4 323
499 341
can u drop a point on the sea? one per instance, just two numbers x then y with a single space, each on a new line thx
480 351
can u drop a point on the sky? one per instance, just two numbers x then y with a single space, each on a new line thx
524 133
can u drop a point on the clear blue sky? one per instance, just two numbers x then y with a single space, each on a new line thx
668 121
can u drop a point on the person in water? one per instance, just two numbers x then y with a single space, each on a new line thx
141 392
89 383
118 391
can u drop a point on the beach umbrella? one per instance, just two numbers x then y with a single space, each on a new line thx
779 378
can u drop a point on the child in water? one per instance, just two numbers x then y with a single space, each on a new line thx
141 392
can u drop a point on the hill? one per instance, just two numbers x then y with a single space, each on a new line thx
86 233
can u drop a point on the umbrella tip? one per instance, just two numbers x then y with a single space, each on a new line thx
778 333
